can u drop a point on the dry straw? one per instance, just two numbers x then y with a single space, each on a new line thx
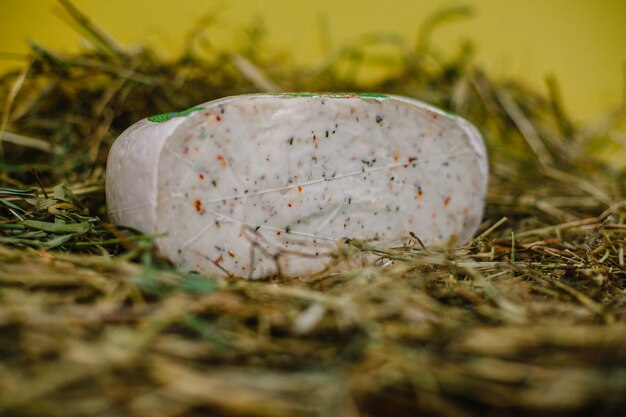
529 318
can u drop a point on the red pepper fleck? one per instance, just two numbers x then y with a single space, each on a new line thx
221 159
198 205
201 176
411 159
218 118
435 116
314 137
446 201
289 205
231 253
395 158
277 233
299 188
420 193
218 260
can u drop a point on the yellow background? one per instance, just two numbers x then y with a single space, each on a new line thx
582 42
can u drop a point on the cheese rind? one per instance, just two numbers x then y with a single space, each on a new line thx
262 184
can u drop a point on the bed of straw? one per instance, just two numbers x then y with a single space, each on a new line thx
528 318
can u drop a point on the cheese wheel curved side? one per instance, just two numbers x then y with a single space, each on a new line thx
131 174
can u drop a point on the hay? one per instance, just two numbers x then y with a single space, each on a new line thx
529 318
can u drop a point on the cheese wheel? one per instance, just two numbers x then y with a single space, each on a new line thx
256 185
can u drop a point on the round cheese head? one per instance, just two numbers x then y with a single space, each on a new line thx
256 185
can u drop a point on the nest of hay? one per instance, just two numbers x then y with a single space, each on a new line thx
529 318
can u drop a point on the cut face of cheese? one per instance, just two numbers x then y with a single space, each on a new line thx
256 185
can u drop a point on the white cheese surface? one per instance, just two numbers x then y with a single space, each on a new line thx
256 185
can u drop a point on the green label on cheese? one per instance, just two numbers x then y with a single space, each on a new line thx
164 117
335 95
